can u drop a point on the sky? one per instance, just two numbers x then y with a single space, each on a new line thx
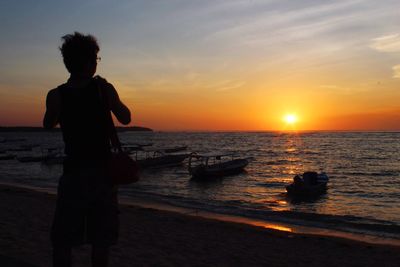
214 65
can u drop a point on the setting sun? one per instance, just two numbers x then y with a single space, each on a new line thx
290 118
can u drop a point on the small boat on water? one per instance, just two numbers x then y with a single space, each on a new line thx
208 166
131 148
158 158
310 184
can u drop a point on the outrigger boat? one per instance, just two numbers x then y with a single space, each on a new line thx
158 158
213 165
131 148
310 184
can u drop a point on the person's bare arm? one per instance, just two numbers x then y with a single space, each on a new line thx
52 113
120 110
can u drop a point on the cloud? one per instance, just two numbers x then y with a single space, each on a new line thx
276 21
226 85
387 43
396 71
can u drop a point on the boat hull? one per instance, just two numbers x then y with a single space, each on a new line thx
219 170
167 160
307 191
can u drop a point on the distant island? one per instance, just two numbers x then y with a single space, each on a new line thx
40 129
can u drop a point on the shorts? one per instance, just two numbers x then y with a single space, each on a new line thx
86 209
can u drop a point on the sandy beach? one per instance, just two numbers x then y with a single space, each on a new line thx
150 237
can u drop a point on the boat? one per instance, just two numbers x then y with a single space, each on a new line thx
213 165
310 184
131 148
158 158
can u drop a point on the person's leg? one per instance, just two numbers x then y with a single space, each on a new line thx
100 256
61 256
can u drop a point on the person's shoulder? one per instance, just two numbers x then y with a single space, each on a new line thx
54 94
103 82
106 86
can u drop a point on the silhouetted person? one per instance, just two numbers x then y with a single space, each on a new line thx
87 205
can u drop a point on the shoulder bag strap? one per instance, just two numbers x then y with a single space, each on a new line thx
112 132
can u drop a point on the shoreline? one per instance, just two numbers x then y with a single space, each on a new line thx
152 237
267 224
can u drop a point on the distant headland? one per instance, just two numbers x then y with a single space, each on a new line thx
40 129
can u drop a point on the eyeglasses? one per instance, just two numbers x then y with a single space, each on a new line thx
98 59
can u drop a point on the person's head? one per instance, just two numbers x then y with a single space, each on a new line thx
80 53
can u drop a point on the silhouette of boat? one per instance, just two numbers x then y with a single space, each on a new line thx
158 158
206 166
308 185
131 148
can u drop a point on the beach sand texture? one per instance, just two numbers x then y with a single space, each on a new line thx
150 237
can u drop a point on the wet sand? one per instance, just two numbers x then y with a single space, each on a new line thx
151 237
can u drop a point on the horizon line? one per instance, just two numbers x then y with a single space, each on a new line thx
237 130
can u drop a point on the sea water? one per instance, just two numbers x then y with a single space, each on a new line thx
363 167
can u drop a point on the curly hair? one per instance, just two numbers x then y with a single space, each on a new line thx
77 50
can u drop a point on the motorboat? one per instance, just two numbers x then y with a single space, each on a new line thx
213 165
308 184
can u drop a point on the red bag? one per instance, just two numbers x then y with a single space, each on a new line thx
123 169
